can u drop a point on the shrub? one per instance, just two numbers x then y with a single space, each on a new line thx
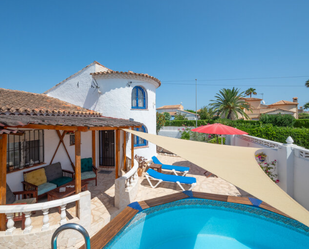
278 134
303 115
278 119
302 123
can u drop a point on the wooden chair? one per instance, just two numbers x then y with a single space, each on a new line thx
20 198
88 171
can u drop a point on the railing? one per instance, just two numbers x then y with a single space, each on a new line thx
27 209
73 226
126 187
131 177
261 141
304 154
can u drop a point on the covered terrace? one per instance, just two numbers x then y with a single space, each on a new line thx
58 126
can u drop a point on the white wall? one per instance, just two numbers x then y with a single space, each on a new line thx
292 164
114 99
51 141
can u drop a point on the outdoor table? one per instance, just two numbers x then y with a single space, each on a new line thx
157 167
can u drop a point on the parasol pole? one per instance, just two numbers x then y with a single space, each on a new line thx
195 103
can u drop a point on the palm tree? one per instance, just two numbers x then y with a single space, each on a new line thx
306 106
251 91
229 102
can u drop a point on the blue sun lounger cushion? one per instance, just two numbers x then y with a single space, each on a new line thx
183 170
169 178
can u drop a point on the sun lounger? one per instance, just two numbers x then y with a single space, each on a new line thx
169 178
183 170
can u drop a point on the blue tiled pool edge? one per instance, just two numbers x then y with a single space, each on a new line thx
213 204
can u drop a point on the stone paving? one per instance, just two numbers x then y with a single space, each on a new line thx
102 202
102 196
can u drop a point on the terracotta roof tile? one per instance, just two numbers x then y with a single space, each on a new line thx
284 102
110 72
179 107
251 99
19 102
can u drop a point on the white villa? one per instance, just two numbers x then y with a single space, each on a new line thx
79 135
125 95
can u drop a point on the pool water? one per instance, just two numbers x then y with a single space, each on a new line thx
195 223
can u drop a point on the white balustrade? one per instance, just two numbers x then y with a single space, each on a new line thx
63 215
28 226
304 154
10 210
261 141
126 187
45 219
10 224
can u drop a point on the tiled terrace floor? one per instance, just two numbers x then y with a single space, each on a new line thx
102 196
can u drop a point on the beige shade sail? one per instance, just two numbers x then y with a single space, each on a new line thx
234 164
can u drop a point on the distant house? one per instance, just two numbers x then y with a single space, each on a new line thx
176 109
282 106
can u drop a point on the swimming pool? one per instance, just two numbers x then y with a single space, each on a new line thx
199 223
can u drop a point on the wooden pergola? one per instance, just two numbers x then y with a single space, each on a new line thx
63 123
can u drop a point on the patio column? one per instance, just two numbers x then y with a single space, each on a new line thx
117 153
93 149
77 166
3 155
124 151
132 149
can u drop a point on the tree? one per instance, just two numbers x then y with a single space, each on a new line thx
167 116
188 110
251 91
206 113
228 103
306 106
180 116
160 121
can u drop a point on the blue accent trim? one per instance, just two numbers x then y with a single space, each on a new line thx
255 202
136 100
137 143
188 193
135 205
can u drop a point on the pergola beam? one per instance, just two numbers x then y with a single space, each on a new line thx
77 166
132 149
3 159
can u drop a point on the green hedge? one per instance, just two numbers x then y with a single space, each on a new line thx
302 123
209 121
278 134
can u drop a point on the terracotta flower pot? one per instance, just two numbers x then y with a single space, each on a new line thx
140 172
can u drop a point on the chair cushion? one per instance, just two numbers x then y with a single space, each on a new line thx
86 164
10 197
53 171
26 201
36 177
61 181
45 187
87 175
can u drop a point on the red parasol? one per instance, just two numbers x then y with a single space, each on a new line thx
219 129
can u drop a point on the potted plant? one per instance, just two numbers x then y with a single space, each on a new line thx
261 157
142 164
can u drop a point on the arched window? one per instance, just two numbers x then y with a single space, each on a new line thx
138 98
138 141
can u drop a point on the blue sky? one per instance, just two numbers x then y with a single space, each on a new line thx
222 43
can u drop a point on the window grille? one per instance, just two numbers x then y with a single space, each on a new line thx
26 149
138 98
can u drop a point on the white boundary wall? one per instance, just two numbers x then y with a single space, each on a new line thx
292 166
